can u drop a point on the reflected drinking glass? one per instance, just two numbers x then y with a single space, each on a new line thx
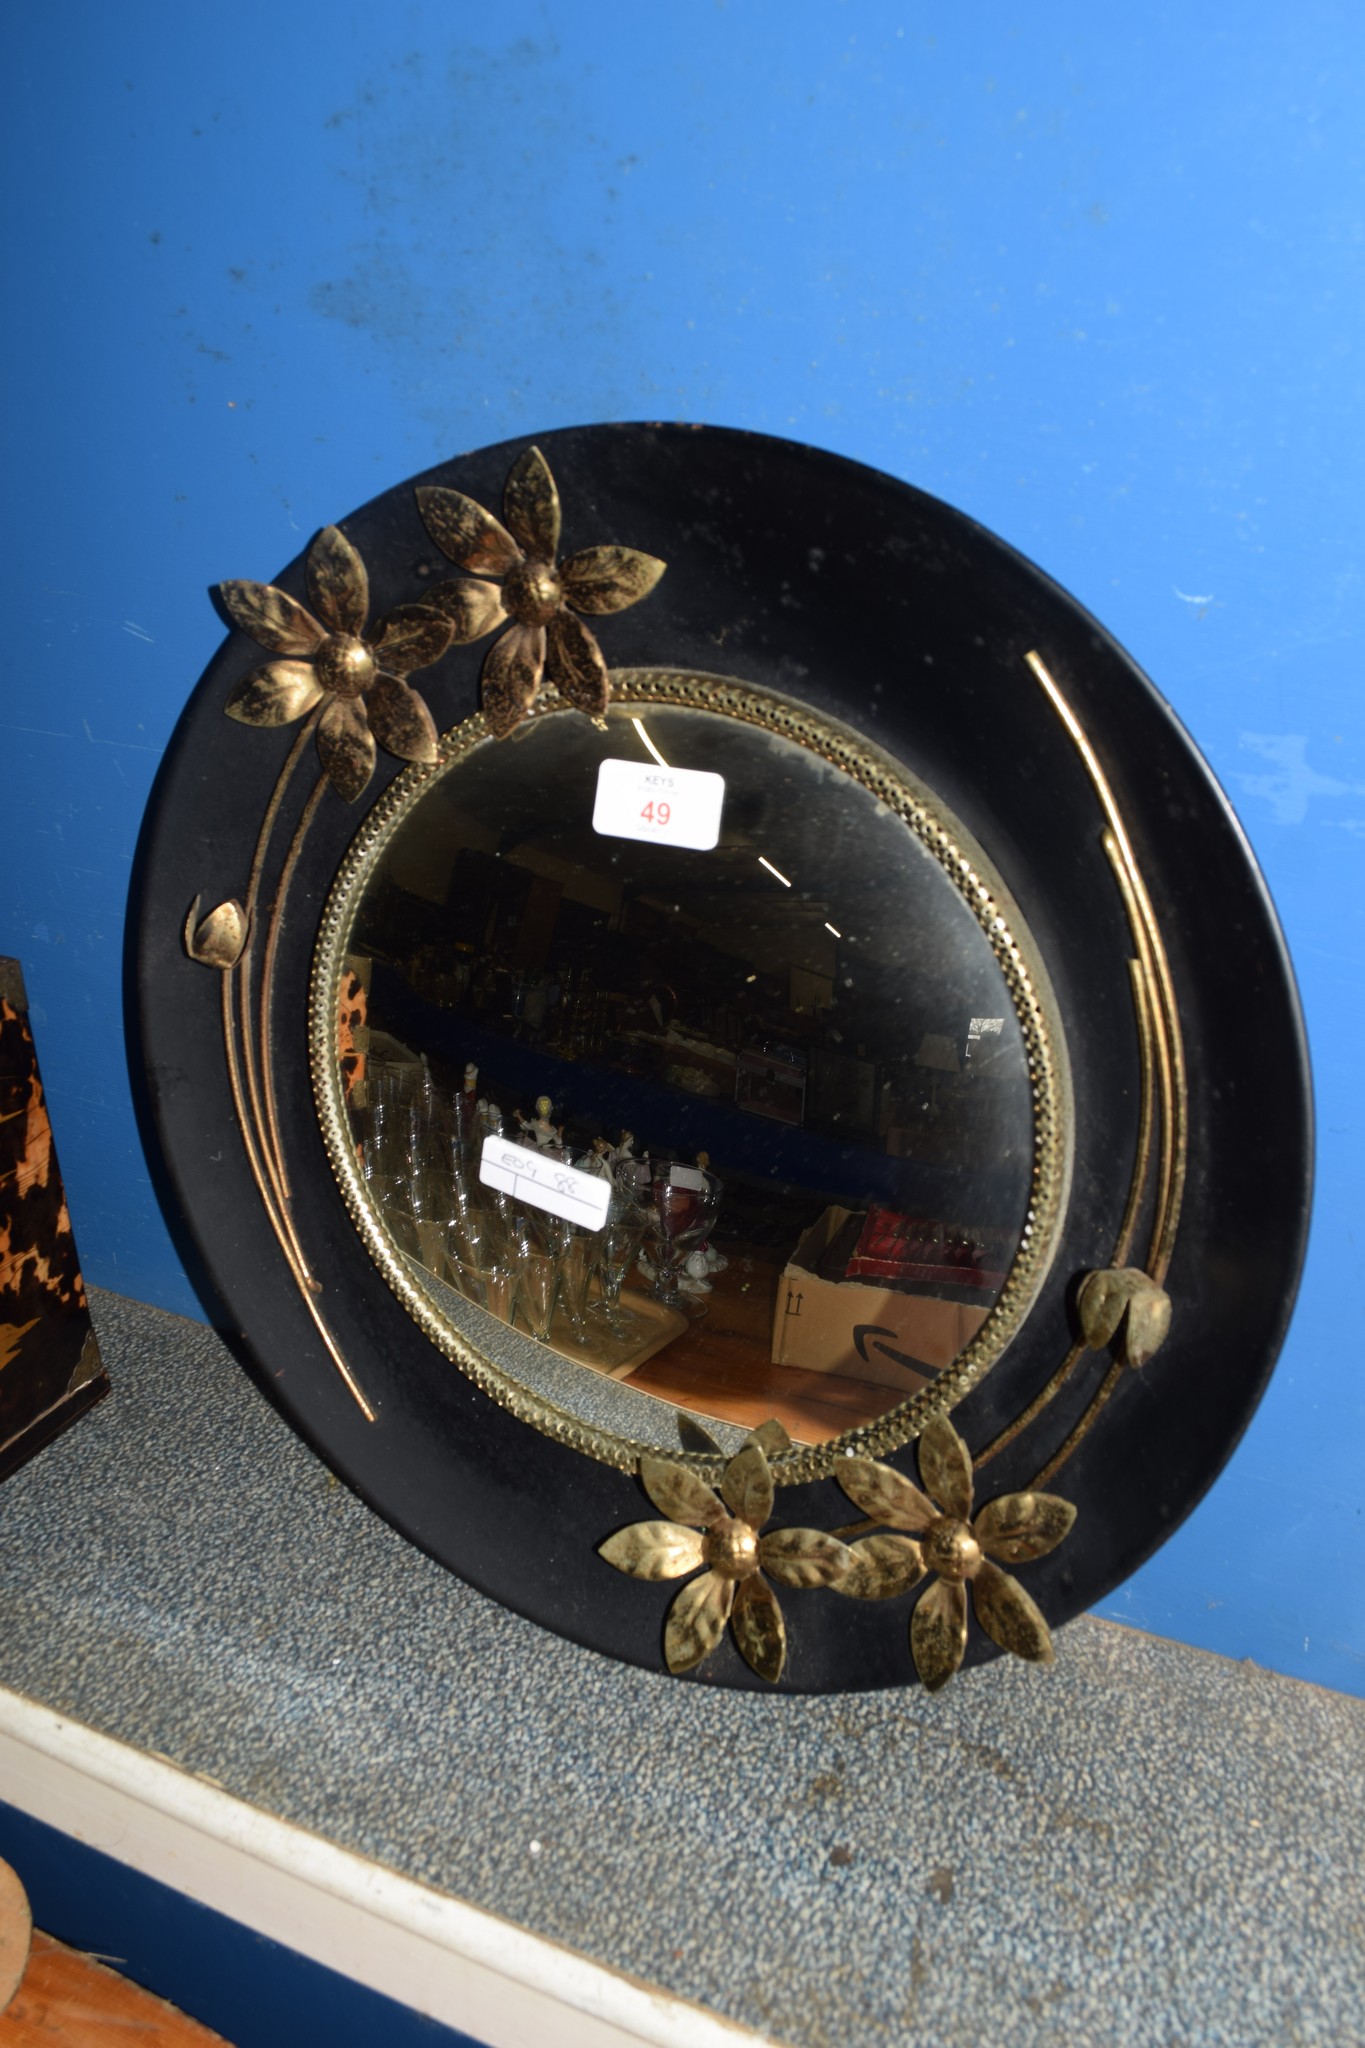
471 1282
576 1265
501 1285
539 1285
618 1247
677 1220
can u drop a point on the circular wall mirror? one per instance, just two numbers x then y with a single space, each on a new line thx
723 1054
814 1067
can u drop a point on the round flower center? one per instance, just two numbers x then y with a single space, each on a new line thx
950 1549
532 593
732 1550
345 665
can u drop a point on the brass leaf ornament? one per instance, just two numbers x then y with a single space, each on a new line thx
535 598
720 1535
1125 1303
325 658
219 939
944 1541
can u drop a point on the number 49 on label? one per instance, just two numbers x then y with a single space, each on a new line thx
662 806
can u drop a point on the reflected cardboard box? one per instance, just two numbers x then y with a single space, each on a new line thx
50 1369
858 1329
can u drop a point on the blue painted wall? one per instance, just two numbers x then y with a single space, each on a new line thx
1095 278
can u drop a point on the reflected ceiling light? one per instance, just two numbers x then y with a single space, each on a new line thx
833 928
639 725
774 871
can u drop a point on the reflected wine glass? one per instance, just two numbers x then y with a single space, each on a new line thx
618 1247
471 1282
696 1283
501 1286
576 1265
539 1286
676 1222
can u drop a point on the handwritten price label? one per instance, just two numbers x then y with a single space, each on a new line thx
532 1176
661 806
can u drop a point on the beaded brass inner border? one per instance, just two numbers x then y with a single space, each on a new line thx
990 904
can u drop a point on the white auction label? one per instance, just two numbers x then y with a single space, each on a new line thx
662 806
546 1183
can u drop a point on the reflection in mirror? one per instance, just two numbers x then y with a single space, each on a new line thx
744 1130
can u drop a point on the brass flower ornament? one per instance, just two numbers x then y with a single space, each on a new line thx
1125 1303
943 1539
219 939
516 582
331 657
719 1535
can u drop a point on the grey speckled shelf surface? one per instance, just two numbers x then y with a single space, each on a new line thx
1147 1845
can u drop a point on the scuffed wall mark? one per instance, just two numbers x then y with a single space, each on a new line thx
128 746
1292 784
473 185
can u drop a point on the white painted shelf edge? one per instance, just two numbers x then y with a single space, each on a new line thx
451 1961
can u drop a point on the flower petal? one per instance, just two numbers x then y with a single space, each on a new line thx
882 1567
885 1494
410 636
346 746
1020 1526
472 606
771 1438
609 579
945 1466
759 1628
276 694
679 1493
337 582
653 1550
938 1633
804 1557
574 664
218 940
747 1486
273 619
696 1621
530 505
472 538
693 1437
1009 1617
512 671
400 721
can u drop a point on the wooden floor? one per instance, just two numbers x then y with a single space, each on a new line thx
721 1365
67 2000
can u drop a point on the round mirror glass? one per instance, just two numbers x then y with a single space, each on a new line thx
682 1076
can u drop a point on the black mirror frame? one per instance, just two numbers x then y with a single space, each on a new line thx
841 589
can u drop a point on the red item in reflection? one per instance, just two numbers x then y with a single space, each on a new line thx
921 1251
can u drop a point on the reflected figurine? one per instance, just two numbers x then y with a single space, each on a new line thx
597 1160
627 1171
695 1279
539 1127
